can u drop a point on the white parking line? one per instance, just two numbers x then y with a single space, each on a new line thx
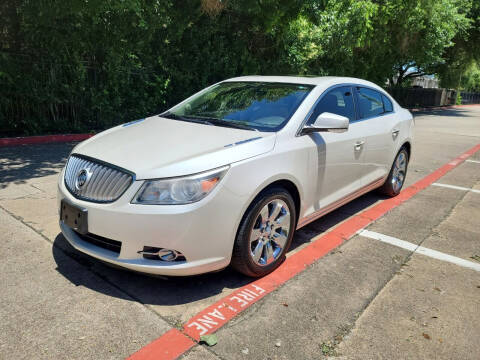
420 249
473 161
457 187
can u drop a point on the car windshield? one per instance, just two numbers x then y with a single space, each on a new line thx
262 106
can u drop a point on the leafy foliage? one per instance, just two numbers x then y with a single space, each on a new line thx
470 79
81 65
378 40
458 69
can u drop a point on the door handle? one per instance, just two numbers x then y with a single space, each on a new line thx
358 145
395 132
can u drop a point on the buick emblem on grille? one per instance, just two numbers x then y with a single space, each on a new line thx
83 176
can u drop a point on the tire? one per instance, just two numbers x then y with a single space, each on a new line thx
396 178
270 222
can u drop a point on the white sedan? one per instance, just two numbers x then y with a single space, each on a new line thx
226 176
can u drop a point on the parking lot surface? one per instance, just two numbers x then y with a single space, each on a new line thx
407 285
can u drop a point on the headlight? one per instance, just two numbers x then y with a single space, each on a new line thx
181 190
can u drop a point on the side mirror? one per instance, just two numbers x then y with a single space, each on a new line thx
327 122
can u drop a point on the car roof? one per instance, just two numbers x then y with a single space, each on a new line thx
310 80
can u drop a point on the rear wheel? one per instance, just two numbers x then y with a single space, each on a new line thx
394 183
265 233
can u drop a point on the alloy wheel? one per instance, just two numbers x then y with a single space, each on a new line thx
399 171
269 234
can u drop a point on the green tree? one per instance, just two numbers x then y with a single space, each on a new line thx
470 79
78 65
461 57
327 36
419 31
377 40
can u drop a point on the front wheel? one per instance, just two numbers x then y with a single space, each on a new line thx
265 233
394 183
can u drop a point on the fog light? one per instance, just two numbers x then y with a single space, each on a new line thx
154 253
168 255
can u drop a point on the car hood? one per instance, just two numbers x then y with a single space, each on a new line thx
157 147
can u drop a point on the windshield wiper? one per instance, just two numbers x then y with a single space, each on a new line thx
228 123
234 124
209 121
196 120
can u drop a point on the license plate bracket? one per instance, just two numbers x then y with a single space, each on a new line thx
74 217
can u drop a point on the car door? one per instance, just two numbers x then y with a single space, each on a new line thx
376 110
340 155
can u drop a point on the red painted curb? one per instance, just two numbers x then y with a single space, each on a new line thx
30 140
218 314
169 346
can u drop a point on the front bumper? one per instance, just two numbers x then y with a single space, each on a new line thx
143 265
203 232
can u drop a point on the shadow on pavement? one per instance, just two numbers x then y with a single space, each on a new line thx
146 289
20 163
156 290
307 233
445 112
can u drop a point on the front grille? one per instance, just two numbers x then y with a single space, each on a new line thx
102 242
104 183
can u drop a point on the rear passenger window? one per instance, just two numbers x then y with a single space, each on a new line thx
387 104
337 101
370 103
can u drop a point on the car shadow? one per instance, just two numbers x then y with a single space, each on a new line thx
155 290
327 222
144 288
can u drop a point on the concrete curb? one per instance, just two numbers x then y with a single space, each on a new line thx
31 140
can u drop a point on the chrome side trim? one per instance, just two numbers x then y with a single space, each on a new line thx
243 141
335 205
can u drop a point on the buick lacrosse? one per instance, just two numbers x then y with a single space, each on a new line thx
227 176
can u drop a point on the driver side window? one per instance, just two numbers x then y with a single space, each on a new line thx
338 101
